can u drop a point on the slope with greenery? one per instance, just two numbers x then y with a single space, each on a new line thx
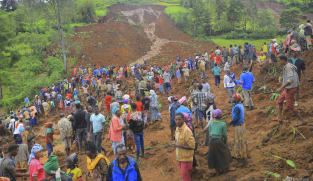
236 19
30 53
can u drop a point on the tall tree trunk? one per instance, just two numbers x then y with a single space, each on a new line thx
61 35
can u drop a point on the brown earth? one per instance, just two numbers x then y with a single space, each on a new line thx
265 136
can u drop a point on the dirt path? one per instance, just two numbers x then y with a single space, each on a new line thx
149 29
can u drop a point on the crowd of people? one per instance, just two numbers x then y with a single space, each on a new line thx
121 101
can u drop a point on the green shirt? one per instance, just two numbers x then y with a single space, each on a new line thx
218 128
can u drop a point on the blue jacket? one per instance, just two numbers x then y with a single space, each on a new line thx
247 79
130 174
238 114
172 113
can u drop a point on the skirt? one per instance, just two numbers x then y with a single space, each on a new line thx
240 145
219 156
155 114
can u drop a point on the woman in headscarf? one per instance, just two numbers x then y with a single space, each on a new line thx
240 145
154 107
116 128
219 156
36 171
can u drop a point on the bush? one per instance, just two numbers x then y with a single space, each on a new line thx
54 65
86 11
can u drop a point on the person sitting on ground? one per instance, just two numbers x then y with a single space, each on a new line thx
72 167
219 156
7 165
97 163
123 168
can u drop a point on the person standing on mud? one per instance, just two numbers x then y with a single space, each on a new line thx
80 125
66 130
289 87
167 80
185 145
246 80
238 122
299 63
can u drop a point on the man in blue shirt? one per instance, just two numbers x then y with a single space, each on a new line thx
246 81
97 128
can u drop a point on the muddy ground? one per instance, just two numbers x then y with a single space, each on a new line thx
127 39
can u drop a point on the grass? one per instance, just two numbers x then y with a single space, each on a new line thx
77 24
257 43
174 10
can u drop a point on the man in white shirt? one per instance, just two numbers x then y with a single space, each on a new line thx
229 84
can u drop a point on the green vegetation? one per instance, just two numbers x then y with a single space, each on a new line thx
222 41
30 51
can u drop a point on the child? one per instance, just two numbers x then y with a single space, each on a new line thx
49 137
72 167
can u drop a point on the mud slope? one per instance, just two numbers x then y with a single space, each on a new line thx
132 34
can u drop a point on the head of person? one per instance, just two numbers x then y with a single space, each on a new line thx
308 21
217 114
91 150
13 150
96 110
122 155
62 115
133 106
48 125
283 59
89 109
137 98
245 68
237 98
295 54
71 161
179 120
200 87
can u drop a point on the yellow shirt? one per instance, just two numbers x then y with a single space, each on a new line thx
184 136
265 48
76 172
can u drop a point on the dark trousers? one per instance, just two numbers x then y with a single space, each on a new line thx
139 143
97 139
81 134
217 80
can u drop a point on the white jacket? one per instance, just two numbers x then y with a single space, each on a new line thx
228 82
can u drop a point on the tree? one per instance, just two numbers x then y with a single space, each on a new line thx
234 12
289 17
220 8
8 5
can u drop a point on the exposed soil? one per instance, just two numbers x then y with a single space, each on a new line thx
123 43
